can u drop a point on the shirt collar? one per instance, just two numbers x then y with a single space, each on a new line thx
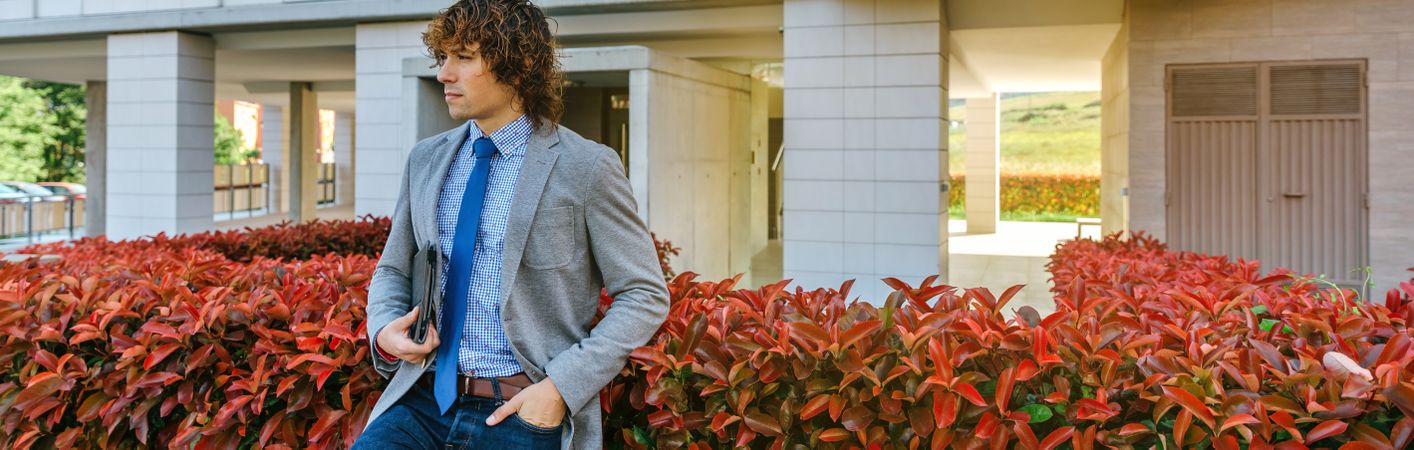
510 140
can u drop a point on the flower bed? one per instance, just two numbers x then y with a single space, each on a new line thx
1039 194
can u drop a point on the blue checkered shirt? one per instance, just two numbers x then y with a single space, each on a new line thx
484 351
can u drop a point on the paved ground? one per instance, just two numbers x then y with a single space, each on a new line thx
1016 254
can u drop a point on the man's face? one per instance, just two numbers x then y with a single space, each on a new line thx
471 89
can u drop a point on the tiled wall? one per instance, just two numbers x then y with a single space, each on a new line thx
30 9
1180 31
381 139
1114 135
866 144
160 99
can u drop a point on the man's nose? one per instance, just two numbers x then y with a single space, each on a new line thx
445 75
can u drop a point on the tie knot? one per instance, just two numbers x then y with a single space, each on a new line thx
483 147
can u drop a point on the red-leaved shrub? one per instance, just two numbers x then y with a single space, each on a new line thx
167 342
119 345
1147 349
286 240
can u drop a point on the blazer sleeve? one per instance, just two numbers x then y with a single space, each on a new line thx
624 251
389 291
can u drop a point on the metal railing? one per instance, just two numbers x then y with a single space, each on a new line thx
240 188
326 184
32 216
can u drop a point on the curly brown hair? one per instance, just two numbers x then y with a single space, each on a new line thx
516 43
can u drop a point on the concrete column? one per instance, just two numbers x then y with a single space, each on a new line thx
983 164
343 158
161 96
383 142
304 161
272 126
866 142
96 158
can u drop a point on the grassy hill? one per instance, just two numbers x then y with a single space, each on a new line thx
1046 137
1050 133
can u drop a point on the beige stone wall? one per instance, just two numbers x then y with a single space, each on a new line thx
1188 31
1114 135
696 158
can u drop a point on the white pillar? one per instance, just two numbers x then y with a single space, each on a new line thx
96 158
304 161
983 164
866 142
383 141
272 127
343 158
160 96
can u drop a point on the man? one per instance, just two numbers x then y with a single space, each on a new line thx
532 221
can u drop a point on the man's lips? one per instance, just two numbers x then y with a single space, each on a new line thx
451 96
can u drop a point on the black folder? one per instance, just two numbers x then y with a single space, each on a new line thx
426 290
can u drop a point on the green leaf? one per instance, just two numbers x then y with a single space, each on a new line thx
1267 324
641 436
1259 309
1039 413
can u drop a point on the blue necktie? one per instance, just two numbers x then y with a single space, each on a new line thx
459 274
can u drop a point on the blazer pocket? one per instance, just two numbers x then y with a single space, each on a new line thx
551 241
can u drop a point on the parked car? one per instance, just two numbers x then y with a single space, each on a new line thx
9 195
35 190
79 191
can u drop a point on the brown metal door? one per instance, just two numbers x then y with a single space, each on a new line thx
1268 161
1314 167
1212 159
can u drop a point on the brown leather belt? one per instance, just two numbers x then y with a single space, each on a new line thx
481 387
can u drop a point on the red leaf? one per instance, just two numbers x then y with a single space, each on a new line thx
158 355
326 422
1240 419
1180 427
970 393
834 435
1324 430
763 423
1004 385
1227 442
1191 403
986 426
39 387
815 406
1056 438
857 418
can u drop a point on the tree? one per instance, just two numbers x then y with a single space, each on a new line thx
228 145
64 154
26 128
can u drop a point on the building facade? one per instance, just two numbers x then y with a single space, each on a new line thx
821 124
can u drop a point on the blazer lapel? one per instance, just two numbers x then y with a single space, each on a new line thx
539 159
425 198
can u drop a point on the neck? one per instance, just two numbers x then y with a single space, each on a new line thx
495 122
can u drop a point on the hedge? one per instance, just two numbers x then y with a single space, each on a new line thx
169 343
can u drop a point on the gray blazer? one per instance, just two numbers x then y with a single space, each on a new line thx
573 229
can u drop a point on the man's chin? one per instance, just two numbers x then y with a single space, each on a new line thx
458 115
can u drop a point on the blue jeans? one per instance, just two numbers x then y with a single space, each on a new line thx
414 422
